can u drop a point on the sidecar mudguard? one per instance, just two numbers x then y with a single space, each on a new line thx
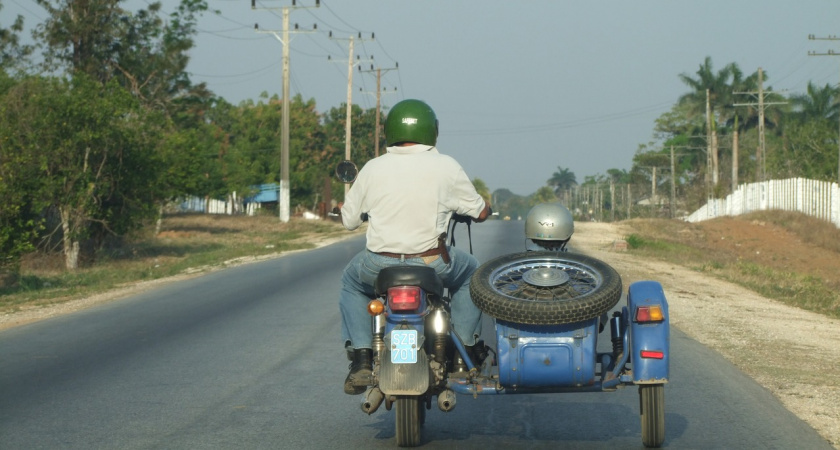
404 379
650 341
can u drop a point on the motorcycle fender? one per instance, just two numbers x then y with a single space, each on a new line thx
404 379
654 339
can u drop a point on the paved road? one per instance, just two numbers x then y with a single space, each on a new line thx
250 358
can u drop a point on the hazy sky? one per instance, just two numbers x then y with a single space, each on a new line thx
519 87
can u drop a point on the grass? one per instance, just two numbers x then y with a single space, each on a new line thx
764 272
187 243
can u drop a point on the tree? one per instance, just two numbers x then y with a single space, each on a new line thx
720 87
562 180
363 132
809 151
96 172
543 195
19 222
818 103
481 188
253 154
13 54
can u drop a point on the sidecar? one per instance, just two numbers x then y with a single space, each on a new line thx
549 309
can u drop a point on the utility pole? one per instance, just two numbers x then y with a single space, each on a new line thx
379 92
673 185
735 157
347 126
761 173
283 197
709 167
837 97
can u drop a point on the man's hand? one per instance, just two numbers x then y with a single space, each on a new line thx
485 213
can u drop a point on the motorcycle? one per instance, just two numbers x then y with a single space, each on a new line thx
548 309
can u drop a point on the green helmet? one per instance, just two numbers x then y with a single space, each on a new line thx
411 121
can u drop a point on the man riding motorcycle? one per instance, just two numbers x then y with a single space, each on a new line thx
407 196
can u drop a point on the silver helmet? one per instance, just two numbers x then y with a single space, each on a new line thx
548 226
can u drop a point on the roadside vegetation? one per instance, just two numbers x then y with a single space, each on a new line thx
187 244
785 256
96 138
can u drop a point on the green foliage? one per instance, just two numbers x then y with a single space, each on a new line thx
543 195
508 204
100 171
562 180
13 54
481 188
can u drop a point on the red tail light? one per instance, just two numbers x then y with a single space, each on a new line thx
652 354
647 314
404 298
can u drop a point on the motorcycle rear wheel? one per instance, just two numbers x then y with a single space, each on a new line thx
545 288
652 412
410 415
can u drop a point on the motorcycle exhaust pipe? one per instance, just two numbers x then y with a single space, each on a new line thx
372 400
446 400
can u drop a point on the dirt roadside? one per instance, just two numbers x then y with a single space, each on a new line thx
789 351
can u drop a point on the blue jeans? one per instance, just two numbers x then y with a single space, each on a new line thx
357 290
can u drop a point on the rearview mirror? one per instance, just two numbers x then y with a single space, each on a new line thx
346 171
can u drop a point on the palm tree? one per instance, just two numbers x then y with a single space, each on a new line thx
562 180
718 88
817 104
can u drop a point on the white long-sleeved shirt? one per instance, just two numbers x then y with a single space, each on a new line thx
409 194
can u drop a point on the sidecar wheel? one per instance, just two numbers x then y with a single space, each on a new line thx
408 419
652 412
545 288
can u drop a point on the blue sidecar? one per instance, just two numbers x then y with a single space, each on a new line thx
549 309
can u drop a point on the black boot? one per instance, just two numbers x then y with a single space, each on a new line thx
361 372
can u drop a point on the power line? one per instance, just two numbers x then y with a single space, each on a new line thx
560 125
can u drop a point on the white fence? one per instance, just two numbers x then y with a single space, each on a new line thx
233 205
819 199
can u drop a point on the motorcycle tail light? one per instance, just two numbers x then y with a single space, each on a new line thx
404 298
376 307
652 354
647 314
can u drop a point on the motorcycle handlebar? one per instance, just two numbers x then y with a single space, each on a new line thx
458 218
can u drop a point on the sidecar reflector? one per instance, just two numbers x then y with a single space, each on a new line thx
376 307
404 298
645 314
652 354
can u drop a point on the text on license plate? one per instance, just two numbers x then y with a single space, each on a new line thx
404 346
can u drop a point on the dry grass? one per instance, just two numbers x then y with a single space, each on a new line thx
782 255
187 243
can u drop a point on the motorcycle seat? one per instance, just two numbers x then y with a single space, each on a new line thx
422 276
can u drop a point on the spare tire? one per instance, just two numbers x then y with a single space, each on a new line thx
545 288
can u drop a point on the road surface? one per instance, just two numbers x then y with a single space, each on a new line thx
250 357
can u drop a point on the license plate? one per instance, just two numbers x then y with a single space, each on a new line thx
404 346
